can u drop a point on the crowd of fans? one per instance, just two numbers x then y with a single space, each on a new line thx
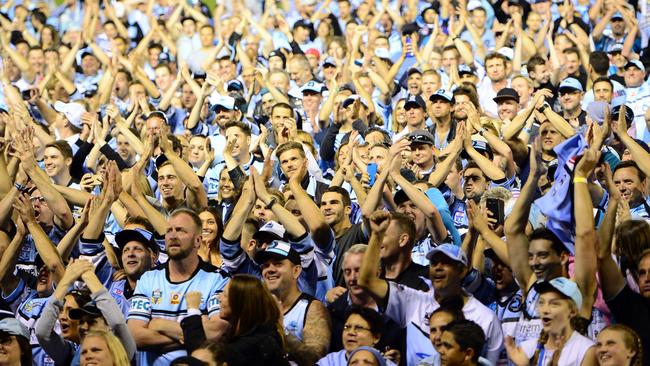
335 182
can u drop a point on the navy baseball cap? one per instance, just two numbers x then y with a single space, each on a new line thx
140 235
415 100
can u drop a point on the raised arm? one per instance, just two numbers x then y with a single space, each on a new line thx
318 227
199 198
44 245
586 236
291 223
60 208
368 274
515 225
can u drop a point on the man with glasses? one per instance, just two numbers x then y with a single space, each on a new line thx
571 93
422 151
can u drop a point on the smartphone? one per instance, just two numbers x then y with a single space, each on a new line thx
27 94
372 173
495 206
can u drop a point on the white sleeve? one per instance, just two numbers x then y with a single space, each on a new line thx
403 302
495 340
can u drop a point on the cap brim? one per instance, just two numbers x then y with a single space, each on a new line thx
79 313
568 88
435 251
437 97
503 98
263 256
269 236
126 236
413 104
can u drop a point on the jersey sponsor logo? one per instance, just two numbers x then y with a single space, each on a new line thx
156 296
176 298
141 305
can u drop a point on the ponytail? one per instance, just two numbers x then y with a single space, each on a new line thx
541 343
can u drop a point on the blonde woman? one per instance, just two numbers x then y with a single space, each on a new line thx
102 348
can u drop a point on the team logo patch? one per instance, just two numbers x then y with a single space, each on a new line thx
176 298
156 296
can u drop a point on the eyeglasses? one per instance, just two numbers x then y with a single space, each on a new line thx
355 328
40 199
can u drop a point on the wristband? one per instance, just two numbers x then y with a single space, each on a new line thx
543 108
271 203
579 180
193 312
20 187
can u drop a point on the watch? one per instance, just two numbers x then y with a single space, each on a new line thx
272 202
543 107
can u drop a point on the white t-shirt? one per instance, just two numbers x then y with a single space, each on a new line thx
412 309
573 352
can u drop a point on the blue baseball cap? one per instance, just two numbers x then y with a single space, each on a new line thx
415 100
570 83
381 361
442 94
12 326
562 285
453 252
382 53
617 15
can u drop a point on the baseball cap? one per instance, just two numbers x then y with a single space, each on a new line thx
278 54
349 100
312 86
279 250
413 70
303 23
596 110
442 94
12 326
329 61
451 251
415 100
617 15
382 53
234 85
562 285
381 361
506 52
72 112
313 52
89 309
570 84
420 137
464 69
506 94
225 101
636 63
629 114
480 146
140 235
159 114
615 48
474 4
271 231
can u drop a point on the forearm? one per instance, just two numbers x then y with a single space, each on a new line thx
374 196
157 219
46 249
96 221
146 338
65 246
233 228
54 199
6 207
487 166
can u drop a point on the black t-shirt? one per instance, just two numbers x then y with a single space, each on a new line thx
413 276
632 309
354 235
